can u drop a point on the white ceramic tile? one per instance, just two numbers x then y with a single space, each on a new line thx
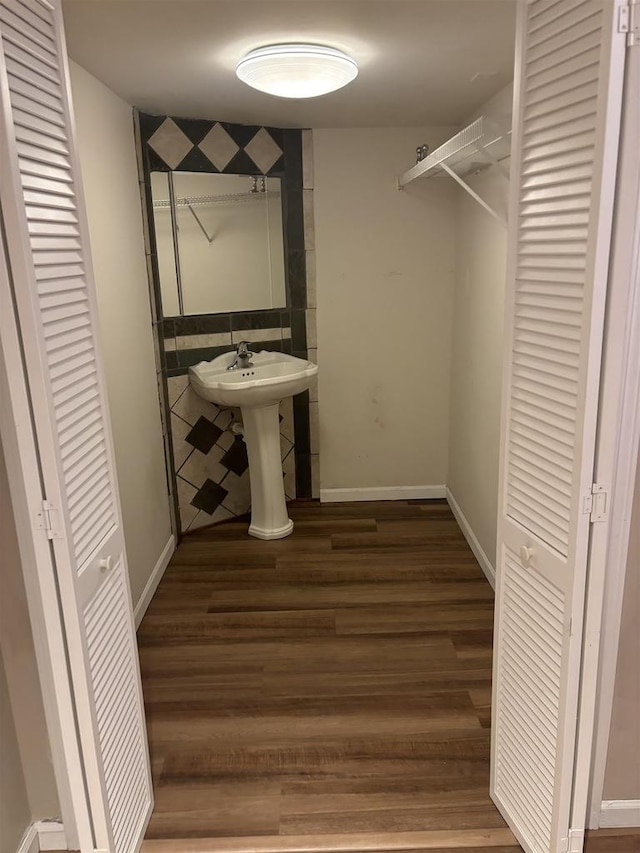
263 150
170 143
238 501
289 473
218 146
169 344
255 335
225 441
218 339
201 520
181 449
290 487
176 385
315 476
224 418
204 466
286 333
309 229
313 389
220 514
186 493
285 446
307 159
312 334
311 278
190 407
286 424
314 428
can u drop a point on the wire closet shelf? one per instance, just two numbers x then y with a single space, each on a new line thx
481 144
201 200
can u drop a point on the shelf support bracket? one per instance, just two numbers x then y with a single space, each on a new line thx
465 186
493 161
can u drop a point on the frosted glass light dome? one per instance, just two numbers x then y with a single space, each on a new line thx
297 70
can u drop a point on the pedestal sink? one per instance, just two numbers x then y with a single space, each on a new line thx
258 390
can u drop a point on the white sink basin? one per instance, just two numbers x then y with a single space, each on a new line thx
274 376
258 390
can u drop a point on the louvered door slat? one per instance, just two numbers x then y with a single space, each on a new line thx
20 57
103 618
20 30
57 307
565 136
31 131
38 154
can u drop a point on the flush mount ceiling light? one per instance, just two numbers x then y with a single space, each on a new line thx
297 70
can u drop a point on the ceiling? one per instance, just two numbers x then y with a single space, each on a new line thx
422 62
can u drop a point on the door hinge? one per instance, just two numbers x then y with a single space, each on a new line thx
596 503
47 519
629 22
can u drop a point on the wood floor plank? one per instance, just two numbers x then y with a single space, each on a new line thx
613 840
328 691
497 840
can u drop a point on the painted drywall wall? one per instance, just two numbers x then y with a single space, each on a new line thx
21 703
15 814
385 281
108 160
476 365
622 774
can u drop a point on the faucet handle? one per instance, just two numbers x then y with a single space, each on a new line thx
243 346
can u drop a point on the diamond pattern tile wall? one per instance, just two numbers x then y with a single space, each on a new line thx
219 147
241 148
263 150
212 468
170 143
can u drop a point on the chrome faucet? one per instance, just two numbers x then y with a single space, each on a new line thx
243 357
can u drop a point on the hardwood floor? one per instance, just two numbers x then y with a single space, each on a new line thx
329 691
613 841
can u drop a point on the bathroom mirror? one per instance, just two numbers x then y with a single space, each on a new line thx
219 242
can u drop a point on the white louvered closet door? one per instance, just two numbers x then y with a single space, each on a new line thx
569 66
48 254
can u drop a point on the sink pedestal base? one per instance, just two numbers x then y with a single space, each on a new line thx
269 516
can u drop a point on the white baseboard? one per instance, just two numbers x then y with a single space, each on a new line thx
154 579
485 563
384 493
620 813
29 843
51 835
43 835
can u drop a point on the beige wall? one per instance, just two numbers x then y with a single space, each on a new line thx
27 783
622 775
15 813
476 369
385 275
109 171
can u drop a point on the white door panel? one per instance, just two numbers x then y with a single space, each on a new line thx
54 294
566 127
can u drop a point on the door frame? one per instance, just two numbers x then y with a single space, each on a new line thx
617 451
